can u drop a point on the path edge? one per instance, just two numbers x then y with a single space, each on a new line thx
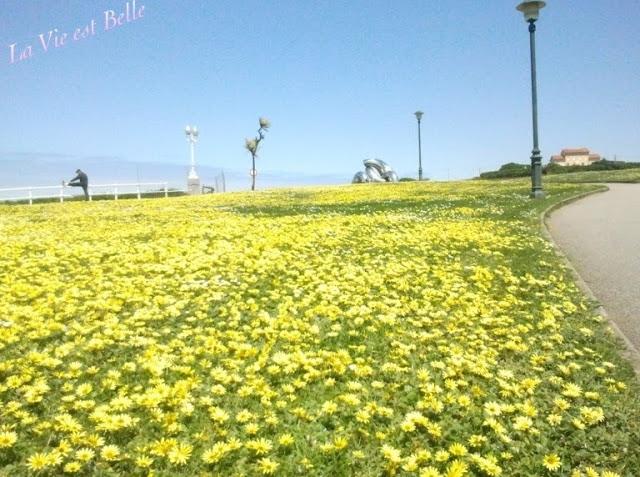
628 351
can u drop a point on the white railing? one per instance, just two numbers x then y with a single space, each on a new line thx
139 188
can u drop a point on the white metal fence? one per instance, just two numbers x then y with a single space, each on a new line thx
62 192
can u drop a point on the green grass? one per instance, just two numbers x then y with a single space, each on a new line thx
370 330
625 175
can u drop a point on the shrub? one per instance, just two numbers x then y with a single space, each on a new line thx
508 171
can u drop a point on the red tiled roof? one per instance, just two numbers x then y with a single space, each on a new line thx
575 152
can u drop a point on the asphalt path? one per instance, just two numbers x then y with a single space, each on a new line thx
600 235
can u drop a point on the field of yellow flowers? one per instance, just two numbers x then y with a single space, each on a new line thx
408 329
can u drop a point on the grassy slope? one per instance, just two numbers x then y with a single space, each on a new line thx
441 299
626 175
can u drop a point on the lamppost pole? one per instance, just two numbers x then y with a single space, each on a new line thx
536 157
531 11
193 181
192 173
419 117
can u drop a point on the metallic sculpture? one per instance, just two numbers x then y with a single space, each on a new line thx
375 171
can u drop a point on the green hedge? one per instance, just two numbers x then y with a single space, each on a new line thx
508 171
513 170
602 165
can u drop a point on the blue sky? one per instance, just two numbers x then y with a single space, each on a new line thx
339 80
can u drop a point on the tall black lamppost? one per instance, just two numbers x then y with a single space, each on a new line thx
419 117
531 10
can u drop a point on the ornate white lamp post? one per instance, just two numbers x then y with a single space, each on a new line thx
193 181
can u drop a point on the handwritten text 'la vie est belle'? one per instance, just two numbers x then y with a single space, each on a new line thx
110 20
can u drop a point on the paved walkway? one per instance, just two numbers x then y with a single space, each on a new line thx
601 237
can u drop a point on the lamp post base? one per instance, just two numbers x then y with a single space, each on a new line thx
537 194
193 186
536 171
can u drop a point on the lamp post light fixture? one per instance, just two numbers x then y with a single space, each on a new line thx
531 10
419 118
193 181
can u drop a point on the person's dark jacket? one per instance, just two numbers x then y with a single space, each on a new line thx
82 178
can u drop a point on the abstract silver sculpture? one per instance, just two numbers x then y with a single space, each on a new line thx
375 170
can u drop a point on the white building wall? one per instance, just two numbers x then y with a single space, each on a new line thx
577 160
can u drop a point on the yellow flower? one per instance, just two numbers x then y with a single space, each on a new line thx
329 407
358 454
180 454
244 416
408 426
72 467
522 423
363 416
410 464
53 458
442 456
464 401
493 408
285 440
477 440
84 389
554 419
64 447
218 415
110 453
391 454
85 454
561 404
572 390
430 472
94 440
592 415
7 439
215 453
267 466
551 462
578 423
143 461
251 429
163 446
38 461
340 443
457 449
456 469
259 446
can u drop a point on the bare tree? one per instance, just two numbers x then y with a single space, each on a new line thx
252 146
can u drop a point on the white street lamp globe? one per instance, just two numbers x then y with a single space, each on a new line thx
531 9
187 130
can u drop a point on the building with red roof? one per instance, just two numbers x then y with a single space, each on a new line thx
575 157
